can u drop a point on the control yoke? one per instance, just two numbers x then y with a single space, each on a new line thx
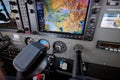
30 59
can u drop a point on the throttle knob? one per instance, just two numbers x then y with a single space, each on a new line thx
78 47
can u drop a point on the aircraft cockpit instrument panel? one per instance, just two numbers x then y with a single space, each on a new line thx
61 24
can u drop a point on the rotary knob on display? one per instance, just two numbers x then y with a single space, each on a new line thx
92 20
95 10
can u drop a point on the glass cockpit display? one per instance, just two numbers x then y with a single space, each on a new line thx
63 16
6 16
4 11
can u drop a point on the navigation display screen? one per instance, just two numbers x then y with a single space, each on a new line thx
66 16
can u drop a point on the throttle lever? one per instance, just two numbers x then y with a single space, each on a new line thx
78 60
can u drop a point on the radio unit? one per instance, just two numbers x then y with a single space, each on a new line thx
109 46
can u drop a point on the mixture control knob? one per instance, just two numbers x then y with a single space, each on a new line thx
78 47
26 29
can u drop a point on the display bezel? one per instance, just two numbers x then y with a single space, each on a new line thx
63 34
